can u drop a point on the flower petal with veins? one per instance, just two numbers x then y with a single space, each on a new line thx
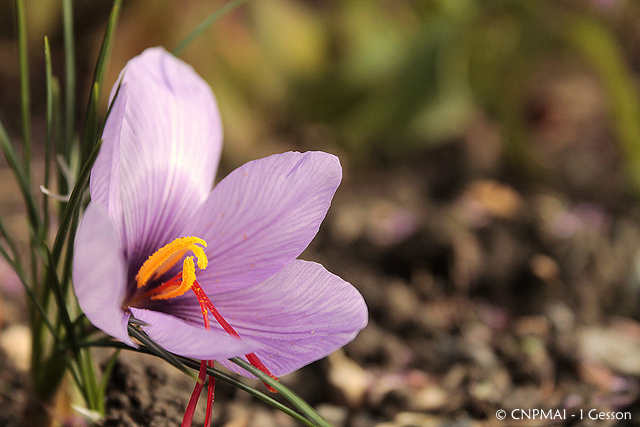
151 185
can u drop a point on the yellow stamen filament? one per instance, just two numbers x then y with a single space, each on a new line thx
188 279
168 255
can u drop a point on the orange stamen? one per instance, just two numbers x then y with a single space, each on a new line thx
168 255
188 279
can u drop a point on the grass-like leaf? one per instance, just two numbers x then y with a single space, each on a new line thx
293 398
204 26
157 350
106 374
59 297
70 81
91 131
25 96
88 374
75 202
11 245
21 178
32 297
49 140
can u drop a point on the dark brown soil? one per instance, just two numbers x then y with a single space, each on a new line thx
12 393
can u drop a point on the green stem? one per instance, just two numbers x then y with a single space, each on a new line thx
49 139
70 83
21 178
88 373
295 400
92 131
68 259
106 374
204 25
10 244
156 349
25 96
74 204
59 298
32 297
76 378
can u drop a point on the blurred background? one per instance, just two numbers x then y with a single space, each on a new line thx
489 211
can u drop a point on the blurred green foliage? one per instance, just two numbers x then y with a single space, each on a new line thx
392 77
389 77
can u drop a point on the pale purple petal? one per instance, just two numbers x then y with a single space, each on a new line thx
99 273
105 174
169 146
189 340
299 315
262 216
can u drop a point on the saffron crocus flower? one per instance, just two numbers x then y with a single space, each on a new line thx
158 243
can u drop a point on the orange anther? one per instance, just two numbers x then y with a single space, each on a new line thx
168 255
188 279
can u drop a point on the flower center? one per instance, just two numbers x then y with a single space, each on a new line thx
162 261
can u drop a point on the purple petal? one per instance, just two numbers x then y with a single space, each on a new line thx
185 339
262 216
168 148
99 273
299 315
105 174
